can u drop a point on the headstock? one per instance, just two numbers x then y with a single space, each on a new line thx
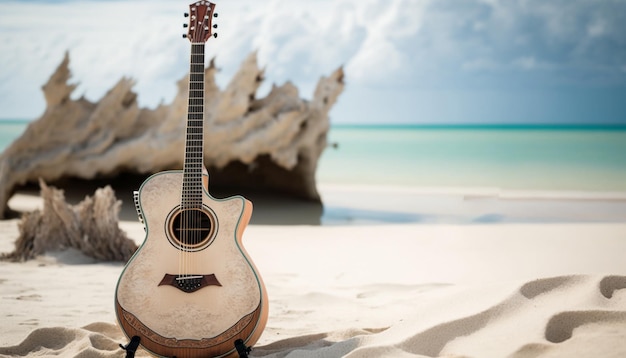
201 14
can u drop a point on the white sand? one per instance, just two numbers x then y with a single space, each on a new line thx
401 290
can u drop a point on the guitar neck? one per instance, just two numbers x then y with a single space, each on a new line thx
194 142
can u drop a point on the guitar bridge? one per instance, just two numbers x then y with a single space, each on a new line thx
189 283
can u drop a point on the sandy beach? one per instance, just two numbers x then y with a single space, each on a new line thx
408 289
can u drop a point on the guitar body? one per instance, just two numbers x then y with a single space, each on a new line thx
191 298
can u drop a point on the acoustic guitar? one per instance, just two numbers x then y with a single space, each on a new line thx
191 289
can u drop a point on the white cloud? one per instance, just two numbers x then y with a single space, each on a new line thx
415 44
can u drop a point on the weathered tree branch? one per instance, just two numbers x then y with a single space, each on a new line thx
90 226
269 144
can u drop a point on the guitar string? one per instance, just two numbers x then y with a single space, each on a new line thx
200 134
190 223
195 232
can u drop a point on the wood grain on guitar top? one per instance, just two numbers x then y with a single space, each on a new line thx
204 322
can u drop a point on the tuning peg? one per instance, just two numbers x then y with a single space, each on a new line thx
186 14
184 36
215 34
215 26
215 15
185 25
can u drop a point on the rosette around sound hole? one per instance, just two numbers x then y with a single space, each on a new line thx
192 229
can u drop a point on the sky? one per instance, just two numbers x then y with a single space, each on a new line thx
406 61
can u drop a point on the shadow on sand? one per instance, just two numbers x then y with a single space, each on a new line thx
269 208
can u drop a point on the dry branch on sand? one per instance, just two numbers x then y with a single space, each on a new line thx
91 227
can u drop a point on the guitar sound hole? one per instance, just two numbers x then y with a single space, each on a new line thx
192 227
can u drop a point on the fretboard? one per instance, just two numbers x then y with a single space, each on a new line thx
192 168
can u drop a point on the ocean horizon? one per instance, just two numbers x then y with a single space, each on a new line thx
570 157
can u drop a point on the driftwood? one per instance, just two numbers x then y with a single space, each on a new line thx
270 144
90 226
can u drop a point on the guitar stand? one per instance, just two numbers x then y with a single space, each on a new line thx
131 347
242 349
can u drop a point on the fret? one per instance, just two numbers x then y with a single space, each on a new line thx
196 68
196 86
194 136
194 131
197 47
196 101
190 192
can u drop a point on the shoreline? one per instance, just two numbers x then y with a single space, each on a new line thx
380 205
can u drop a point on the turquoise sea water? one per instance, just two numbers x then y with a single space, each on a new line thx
588 158
9 130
